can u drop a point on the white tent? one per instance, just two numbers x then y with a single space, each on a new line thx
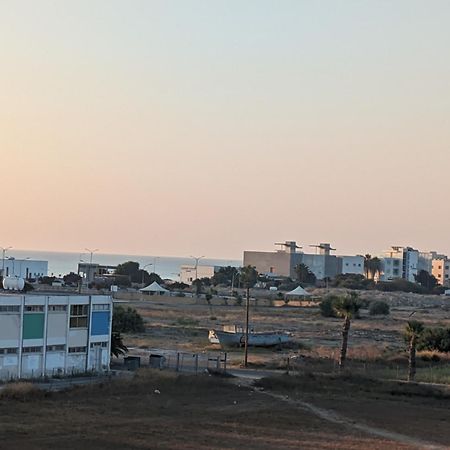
298 292
154 289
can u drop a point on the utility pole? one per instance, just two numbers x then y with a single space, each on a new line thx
247 308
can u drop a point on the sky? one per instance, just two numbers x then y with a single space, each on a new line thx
216 126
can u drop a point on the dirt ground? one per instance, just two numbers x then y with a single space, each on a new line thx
183 324
159 410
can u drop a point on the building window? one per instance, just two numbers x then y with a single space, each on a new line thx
9 308
78 316
8 351
34 308
104 307
99 344
57 308
56 348
32 350
77 349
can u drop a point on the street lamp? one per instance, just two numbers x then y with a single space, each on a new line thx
91 252
197 259
4 250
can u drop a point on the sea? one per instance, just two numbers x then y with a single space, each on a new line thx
61 263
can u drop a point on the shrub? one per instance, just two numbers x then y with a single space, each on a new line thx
127 320
326 307
400 285
239 300
352 281
435 339
378 308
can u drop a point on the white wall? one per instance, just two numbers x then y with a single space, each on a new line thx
352 264
25 268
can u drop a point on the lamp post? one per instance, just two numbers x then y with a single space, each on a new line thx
197 259
154 263
4 250
91 252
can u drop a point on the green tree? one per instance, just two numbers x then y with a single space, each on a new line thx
372 266
347 307
127 320
226 276
413 331
426 280
129 269
304 275
72 278
248 276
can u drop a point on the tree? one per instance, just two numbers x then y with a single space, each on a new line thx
226 276
372 266
72 278
127 320
413 331
426 280
304 274
347 307
198 285
129 269
117 346
248 276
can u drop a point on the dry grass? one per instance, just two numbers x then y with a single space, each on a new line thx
22 391
168 411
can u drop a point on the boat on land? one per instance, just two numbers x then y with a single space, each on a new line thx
233 335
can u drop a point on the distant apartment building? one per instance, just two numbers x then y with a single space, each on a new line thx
54 334
23 268
400 262
284 261
441 270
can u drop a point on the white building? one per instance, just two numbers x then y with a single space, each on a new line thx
24 268
352 264
400 262
54 334
190 273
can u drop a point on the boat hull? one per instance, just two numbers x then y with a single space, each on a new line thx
229 339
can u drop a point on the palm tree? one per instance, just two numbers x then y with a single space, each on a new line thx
372 266
117 346
413 331
348 307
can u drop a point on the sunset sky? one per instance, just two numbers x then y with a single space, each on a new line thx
209 127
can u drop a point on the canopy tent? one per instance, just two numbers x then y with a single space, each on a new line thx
298 292
154 289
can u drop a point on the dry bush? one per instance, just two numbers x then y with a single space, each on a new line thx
22 391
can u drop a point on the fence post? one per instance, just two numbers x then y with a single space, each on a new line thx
196 363
225 362
177 368
288 365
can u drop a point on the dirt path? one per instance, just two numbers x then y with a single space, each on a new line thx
333 417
